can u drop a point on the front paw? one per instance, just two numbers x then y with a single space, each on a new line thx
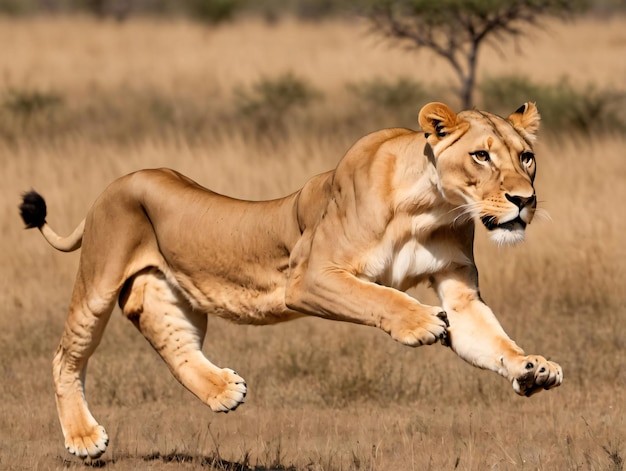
424 327
534 373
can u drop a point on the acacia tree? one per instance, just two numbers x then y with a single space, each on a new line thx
456 30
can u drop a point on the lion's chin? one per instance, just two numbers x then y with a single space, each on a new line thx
505 233
507 236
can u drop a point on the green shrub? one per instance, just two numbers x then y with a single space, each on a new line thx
270 100
17 7
26 103
562 106
390 96
381 102
212 11
320 9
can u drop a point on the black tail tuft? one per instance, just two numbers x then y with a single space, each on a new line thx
33 209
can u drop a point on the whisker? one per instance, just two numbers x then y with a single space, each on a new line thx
463 216
466 212
543 214
465 208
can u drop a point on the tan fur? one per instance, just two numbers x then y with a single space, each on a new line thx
399 209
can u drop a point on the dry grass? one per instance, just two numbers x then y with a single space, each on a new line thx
323 396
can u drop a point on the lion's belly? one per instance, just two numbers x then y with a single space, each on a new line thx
241 303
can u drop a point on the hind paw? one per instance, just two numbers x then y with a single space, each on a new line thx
90 444
230 392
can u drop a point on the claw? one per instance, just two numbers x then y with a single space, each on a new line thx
444 317
443 338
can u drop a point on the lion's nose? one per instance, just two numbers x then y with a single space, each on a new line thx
520 201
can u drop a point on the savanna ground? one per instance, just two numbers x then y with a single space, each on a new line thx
87 101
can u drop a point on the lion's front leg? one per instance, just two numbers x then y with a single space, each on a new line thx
321 283
338 295
343 297
476 336
532 373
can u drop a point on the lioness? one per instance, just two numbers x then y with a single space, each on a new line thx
399 209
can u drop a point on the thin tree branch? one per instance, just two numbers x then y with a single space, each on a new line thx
456 30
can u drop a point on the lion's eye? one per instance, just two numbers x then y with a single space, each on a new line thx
527 158
481 156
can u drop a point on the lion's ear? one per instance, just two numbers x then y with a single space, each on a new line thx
437 119
526 120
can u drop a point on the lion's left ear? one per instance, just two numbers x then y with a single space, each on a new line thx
526 121
437 119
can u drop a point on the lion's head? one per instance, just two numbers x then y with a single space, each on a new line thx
486 165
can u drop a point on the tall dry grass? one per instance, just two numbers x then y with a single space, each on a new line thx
323 396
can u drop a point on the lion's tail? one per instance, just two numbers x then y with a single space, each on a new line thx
33 211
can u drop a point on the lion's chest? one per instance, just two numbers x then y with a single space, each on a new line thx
415 260
406 265
402 265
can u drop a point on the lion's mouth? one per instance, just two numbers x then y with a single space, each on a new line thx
490 223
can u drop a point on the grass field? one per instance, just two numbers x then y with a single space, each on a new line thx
112 98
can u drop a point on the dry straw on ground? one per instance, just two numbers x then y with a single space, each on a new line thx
323 396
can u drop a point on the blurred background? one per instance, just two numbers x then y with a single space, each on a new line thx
252 98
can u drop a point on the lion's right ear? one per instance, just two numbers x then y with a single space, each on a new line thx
526 120
437 120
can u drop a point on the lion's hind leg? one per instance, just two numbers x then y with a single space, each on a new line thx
176 331
85 324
